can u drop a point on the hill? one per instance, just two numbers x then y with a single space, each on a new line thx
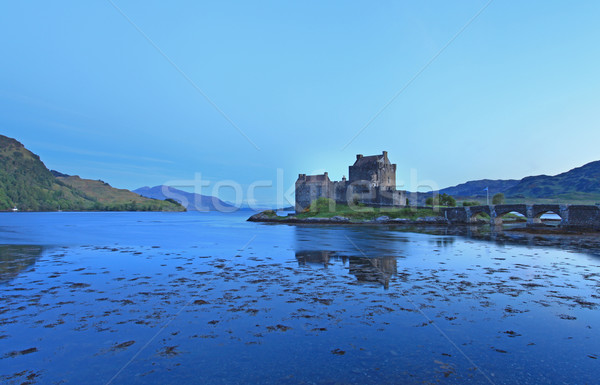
26 183
476 187
191 201
109 198
579 185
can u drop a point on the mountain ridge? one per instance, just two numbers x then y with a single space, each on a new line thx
578 184
191 201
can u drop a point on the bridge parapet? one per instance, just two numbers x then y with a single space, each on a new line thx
466 214
582 216
456 214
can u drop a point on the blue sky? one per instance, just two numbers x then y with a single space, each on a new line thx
516 93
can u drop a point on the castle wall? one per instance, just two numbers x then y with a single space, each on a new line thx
343 193
374 170
389 197
387 176
376 196
307 192
357 173
339 192
372 182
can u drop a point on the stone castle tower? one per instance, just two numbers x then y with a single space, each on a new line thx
371 181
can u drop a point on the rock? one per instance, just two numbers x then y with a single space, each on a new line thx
384 219
260 217
316 220
339 218
433 220
256 217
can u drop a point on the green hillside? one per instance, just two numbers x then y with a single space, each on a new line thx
106 197
580 185
26 183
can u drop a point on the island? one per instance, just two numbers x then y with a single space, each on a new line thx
325 210
369 195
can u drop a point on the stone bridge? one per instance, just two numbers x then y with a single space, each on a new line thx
572 216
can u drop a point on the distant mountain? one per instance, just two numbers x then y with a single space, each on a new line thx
579 184
26 184
580 181
191 201
476 187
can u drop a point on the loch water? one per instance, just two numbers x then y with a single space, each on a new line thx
208 298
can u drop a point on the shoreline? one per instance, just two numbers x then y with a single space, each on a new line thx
548 230
338 220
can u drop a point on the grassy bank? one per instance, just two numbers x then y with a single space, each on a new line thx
325 208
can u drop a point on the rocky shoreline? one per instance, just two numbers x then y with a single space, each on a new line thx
382 220
539 231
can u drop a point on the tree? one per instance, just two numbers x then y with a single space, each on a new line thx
449 201
441 200
498 199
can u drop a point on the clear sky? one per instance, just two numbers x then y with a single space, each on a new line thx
143 93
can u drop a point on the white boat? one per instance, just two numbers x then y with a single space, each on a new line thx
15 209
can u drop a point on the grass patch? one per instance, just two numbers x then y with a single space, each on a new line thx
325 208
512 217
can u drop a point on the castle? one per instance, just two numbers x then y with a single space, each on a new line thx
371 181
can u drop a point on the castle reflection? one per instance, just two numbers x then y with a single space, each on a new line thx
368 253
371 253
318 257
368 270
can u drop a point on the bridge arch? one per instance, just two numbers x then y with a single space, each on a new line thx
557 212
538 210
474 211
514 218
500 211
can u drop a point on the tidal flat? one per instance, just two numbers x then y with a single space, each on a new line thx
208 298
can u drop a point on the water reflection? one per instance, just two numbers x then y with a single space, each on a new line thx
318 257
17 258
374 270
364 241
366 270
442 242
371 255
374 241
588 243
